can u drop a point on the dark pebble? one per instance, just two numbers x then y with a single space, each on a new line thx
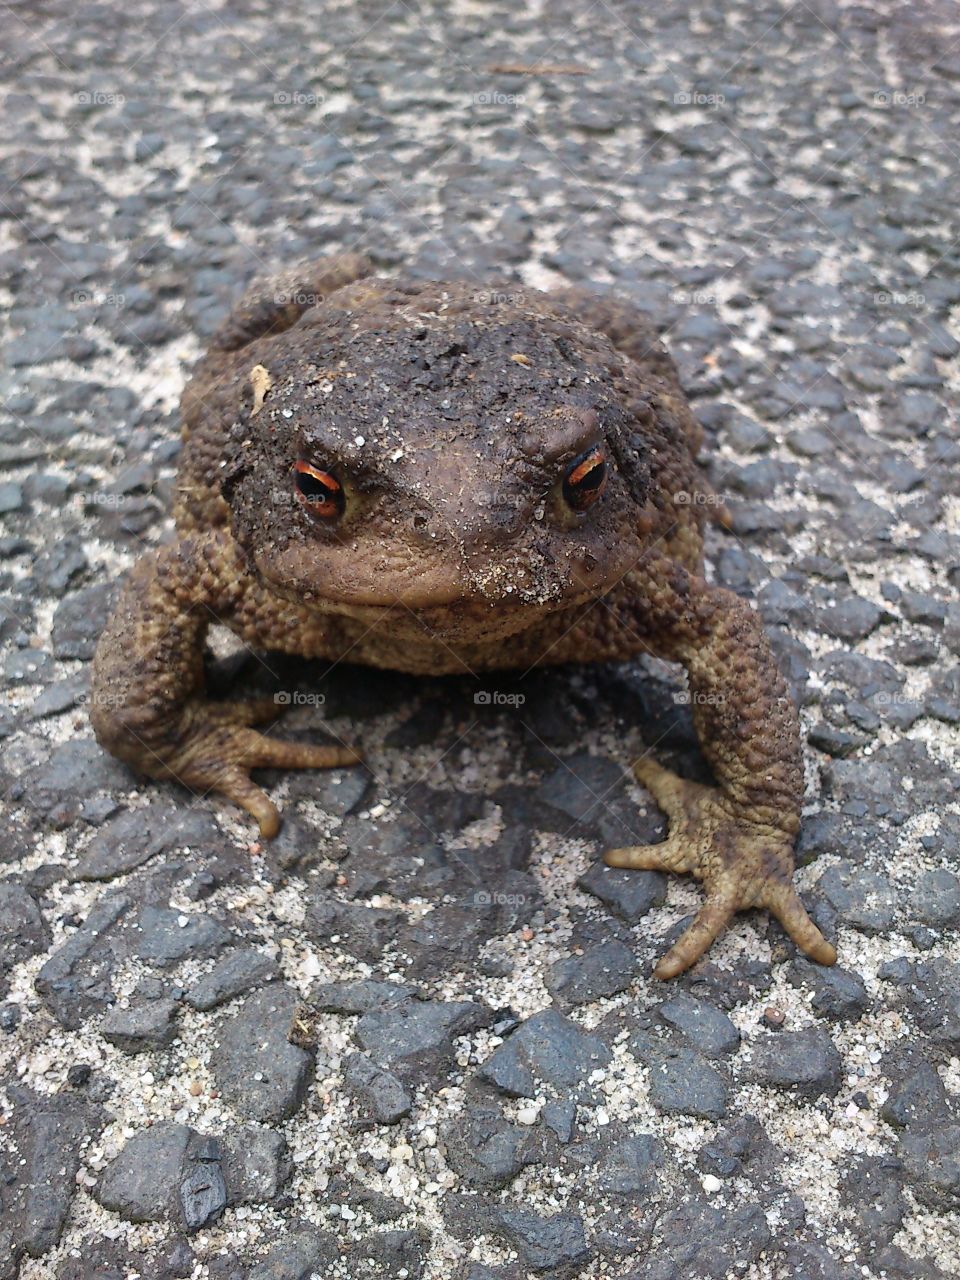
629 894
554 1246
707 1028
545 1047
805 1061
838 994
144 1026
233 975
259 1072
602 970
414 1038
380 1092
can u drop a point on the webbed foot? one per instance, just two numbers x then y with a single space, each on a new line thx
213 747
742 864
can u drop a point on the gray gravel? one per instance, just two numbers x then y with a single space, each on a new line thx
417 1036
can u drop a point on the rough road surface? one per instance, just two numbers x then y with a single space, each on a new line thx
484 1082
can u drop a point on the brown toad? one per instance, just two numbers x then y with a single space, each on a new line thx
423 477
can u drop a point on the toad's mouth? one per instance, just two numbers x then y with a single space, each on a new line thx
460 617
442 611
456 612
458 592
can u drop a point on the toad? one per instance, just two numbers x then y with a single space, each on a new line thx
433 478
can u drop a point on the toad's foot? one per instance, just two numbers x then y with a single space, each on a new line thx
213 748
147 703
742 864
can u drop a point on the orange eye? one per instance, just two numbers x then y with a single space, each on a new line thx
319 491
586 479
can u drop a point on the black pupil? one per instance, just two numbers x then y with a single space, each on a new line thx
580 491
592 480
314 490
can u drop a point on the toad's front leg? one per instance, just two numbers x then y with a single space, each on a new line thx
147 702
736 837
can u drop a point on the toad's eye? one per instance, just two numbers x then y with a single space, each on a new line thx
586 479
319 491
